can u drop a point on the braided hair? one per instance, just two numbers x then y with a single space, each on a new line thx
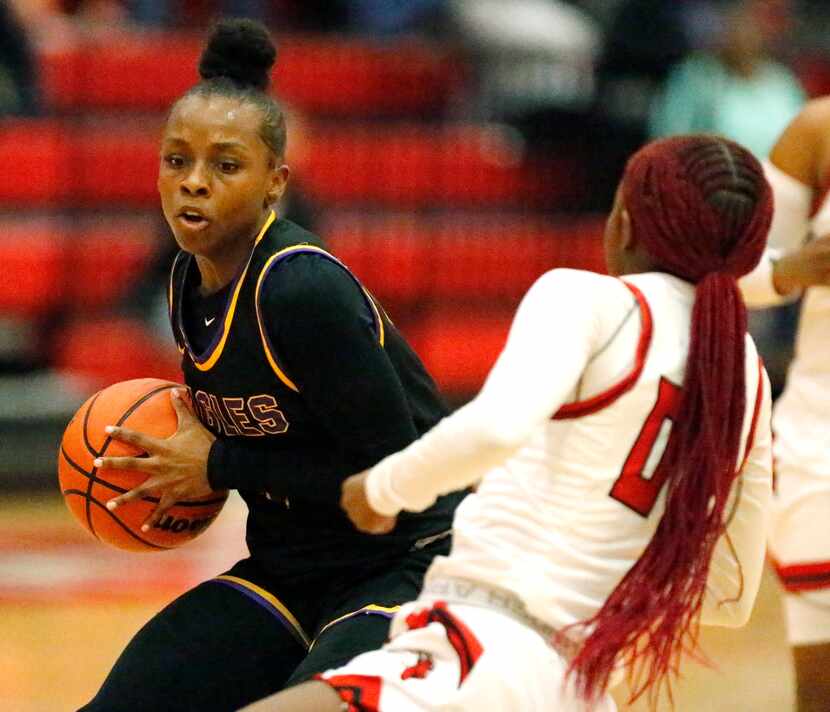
236 63
701 208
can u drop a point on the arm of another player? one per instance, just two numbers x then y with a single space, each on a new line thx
738 559
794 171
808 266
553 334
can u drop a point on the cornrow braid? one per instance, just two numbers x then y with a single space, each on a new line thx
701 208
728 182
236 63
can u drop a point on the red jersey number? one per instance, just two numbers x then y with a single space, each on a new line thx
636 488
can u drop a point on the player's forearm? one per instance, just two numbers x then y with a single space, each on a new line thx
313 473
793 206
759 287
528 383
452 456
769 284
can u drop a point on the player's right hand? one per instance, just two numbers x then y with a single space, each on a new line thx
809 266
355 503
176 467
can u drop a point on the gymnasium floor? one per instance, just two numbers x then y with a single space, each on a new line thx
68 605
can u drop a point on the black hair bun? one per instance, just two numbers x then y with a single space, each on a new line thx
241 50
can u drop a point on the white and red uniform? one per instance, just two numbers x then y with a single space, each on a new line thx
800 531
564 437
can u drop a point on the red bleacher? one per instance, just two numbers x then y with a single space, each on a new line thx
467 275
32 254
459 347
320 75
436 217
473 260
52 268
401 259
422 167
106 349
107 262
63 163
37 154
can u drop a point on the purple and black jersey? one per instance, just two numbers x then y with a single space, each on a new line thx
305 381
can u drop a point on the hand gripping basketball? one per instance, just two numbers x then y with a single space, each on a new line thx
144 405
177 466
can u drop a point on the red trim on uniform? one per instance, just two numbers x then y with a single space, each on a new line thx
607 397
420 669
461 638
804 577
360 692
759 395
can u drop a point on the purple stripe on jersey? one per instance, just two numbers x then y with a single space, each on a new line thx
256 598
205 355
308 251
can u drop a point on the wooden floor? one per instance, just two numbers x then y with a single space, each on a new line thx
68 605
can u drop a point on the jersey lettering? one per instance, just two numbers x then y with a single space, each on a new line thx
642 476
237 412
221 413
204 409
267 415
254 416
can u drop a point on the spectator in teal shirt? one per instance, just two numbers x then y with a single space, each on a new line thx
736 89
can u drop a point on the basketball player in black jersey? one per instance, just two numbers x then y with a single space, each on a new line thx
298 379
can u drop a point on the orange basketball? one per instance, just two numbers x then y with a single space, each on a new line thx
144 405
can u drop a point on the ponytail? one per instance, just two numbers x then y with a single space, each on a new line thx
701 207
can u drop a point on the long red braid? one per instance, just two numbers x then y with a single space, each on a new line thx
701 208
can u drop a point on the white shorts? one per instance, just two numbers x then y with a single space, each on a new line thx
458 658
799 547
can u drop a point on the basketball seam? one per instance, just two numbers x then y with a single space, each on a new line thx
126 414
88 445
116 519
93 478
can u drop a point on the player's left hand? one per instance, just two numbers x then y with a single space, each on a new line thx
354 502
176 466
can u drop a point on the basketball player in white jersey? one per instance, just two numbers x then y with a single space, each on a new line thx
623 449
798 262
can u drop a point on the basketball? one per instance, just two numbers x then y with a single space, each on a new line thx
143 405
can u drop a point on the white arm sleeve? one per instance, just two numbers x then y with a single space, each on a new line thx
738 559
789 230
550 341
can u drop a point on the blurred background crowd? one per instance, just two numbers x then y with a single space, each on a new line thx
450 151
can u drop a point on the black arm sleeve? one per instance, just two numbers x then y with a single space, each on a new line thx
322 328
